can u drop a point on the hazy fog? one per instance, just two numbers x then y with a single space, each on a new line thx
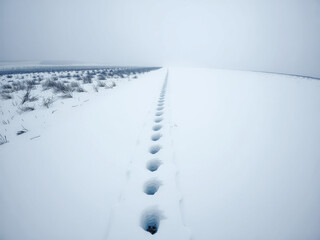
280 36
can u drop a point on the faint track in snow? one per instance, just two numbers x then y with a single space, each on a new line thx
162 112
151 192
127 174
177 173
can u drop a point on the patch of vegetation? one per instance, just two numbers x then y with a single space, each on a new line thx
26 108
101 84
27 97
87 79
24 130
47 102
6 96
18 86
3 139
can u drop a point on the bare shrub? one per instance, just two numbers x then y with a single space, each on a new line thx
31 83
26 108
67 95
101 84
74 84
27 97
110 84
3 139
18 86
48 84
61 87
8 91
77 77
101 77
58 87
6 96
7 88
95 88
4 122
80 89
87 79
47 102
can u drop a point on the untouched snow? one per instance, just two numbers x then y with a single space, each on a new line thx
248 154
234 155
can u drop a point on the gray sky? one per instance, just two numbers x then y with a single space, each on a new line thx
280 36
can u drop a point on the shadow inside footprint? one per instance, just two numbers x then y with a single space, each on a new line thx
158 119
153 165
156 136
151 186
150 220
159 114
154 149
156 127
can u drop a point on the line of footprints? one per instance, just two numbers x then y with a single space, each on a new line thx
150 219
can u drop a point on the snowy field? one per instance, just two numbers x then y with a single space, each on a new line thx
166 154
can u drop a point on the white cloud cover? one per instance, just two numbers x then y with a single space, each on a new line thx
277 36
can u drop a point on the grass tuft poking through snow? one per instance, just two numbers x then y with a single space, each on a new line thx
3 139
47 101
36 88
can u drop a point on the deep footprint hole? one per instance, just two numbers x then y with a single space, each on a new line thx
160 108
154 149
159 113
151 186
158 119
156 127
160 104
153 165
156 136
150 220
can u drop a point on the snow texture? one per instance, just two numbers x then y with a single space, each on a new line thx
171 154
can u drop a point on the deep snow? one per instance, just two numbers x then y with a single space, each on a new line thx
211 154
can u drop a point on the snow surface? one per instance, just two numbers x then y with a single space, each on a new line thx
207 154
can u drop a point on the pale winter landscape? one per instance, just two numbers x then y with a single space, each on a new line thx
187 136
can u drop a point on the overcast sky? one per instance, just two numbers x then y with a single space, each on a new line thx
270 35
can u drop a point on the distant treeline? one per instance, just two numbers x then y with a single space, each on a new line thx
38 69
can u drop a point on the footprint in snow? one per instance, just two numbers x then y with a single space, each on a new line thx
153 165
154 149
